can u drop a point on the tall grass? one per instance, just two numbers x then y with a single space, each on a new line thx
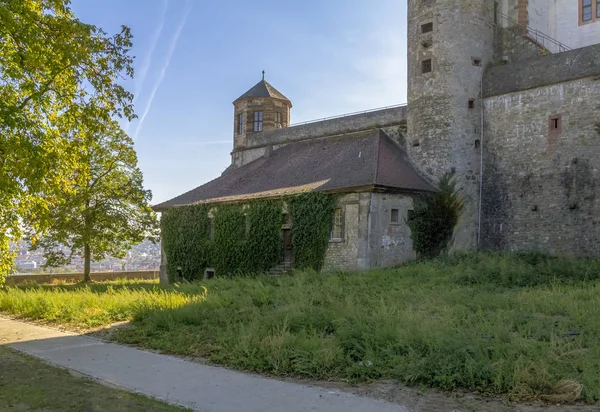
524 325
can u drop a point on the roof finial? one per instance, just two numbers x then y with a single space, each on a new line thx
263 75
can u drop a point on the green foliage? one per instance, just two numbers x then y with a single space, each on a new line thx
434 218
454 322
246 238
109 211
185 239
312 220
59 82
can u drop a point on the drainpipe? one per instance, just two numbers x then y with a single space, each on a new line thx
479 213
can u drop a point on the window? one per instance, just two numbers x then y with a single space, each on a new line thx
555 124
426 28
471 103
337 233
477 144
277 119
240 123
589 11
426 66
258 121
586 10
395 216
476 61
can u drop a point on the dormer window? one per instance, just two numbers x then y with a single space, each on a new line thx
258 121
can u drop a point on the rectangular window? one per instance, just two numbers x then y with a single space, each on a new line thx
258 121
598 9
555 124
395 216
277 119
471 103
337 232
476 61
586 10
426 66
426 28
240 123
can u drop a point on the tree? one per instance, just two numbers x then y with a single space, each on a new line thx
58 81
434 218
109 210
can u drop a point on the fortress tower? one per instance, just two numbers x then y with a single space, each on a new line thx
262 108
450 43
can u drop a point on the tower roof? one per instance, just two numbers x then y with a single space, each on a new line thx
263 89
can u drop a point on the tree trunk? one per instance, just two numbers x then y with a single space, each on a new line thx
86 265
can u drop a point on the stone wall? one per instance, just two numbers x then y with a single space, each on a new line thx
511 43
392 120
78 277
344 254
541 187
444 105
542 71
390 243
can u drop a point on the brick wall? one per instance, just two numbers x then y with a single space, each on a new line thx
542 187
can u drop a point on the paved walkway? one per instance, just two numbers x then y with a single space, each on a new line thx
200 387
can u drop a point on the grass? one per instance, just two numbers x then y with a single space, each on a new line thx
54 389
522 325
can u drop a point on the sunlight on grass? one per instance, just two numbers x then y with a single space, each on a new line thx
522 325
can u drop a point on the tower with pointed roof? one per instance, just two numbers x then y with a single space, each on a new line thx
262 108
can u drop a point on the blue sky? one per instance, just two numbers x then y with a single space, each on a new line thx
195 57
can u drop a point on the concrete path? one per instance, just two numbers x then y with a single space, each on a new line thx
200 387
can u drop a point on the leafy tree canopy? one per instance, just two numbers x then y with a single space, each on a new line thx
58 84
109 210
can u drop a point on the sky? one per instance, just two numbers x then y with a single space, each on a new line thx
193 58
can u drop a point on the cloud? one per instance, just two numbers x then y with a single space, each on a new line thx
164 69
141 78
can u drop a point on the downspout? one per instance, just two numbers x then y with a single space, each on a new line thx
479 213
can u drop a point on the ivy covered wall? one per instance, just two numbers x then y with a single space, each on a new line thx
245 238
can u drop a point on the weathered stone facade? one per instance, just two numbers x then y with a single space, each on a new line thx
444 104
371 239
541 188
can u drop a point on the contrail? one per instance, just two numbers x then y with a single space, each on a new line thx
163 71
148 61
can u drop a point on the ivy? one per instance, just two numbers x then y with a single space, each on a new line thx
185 239
246 239
434 218
312 219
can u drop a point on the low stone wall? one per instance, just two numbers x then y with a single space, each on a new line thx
78 277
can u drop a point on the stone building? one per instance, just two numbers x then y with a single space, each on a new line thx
505 94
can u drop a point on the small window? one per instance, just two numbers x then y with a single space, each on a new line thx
555 125
598 9
586 10
240 123
258 121
426 28
337 232
278 120
426 66
477 144
471 103
476 61
394 217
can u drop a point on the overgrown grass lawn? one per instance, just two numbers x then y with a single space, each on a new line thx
526 326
